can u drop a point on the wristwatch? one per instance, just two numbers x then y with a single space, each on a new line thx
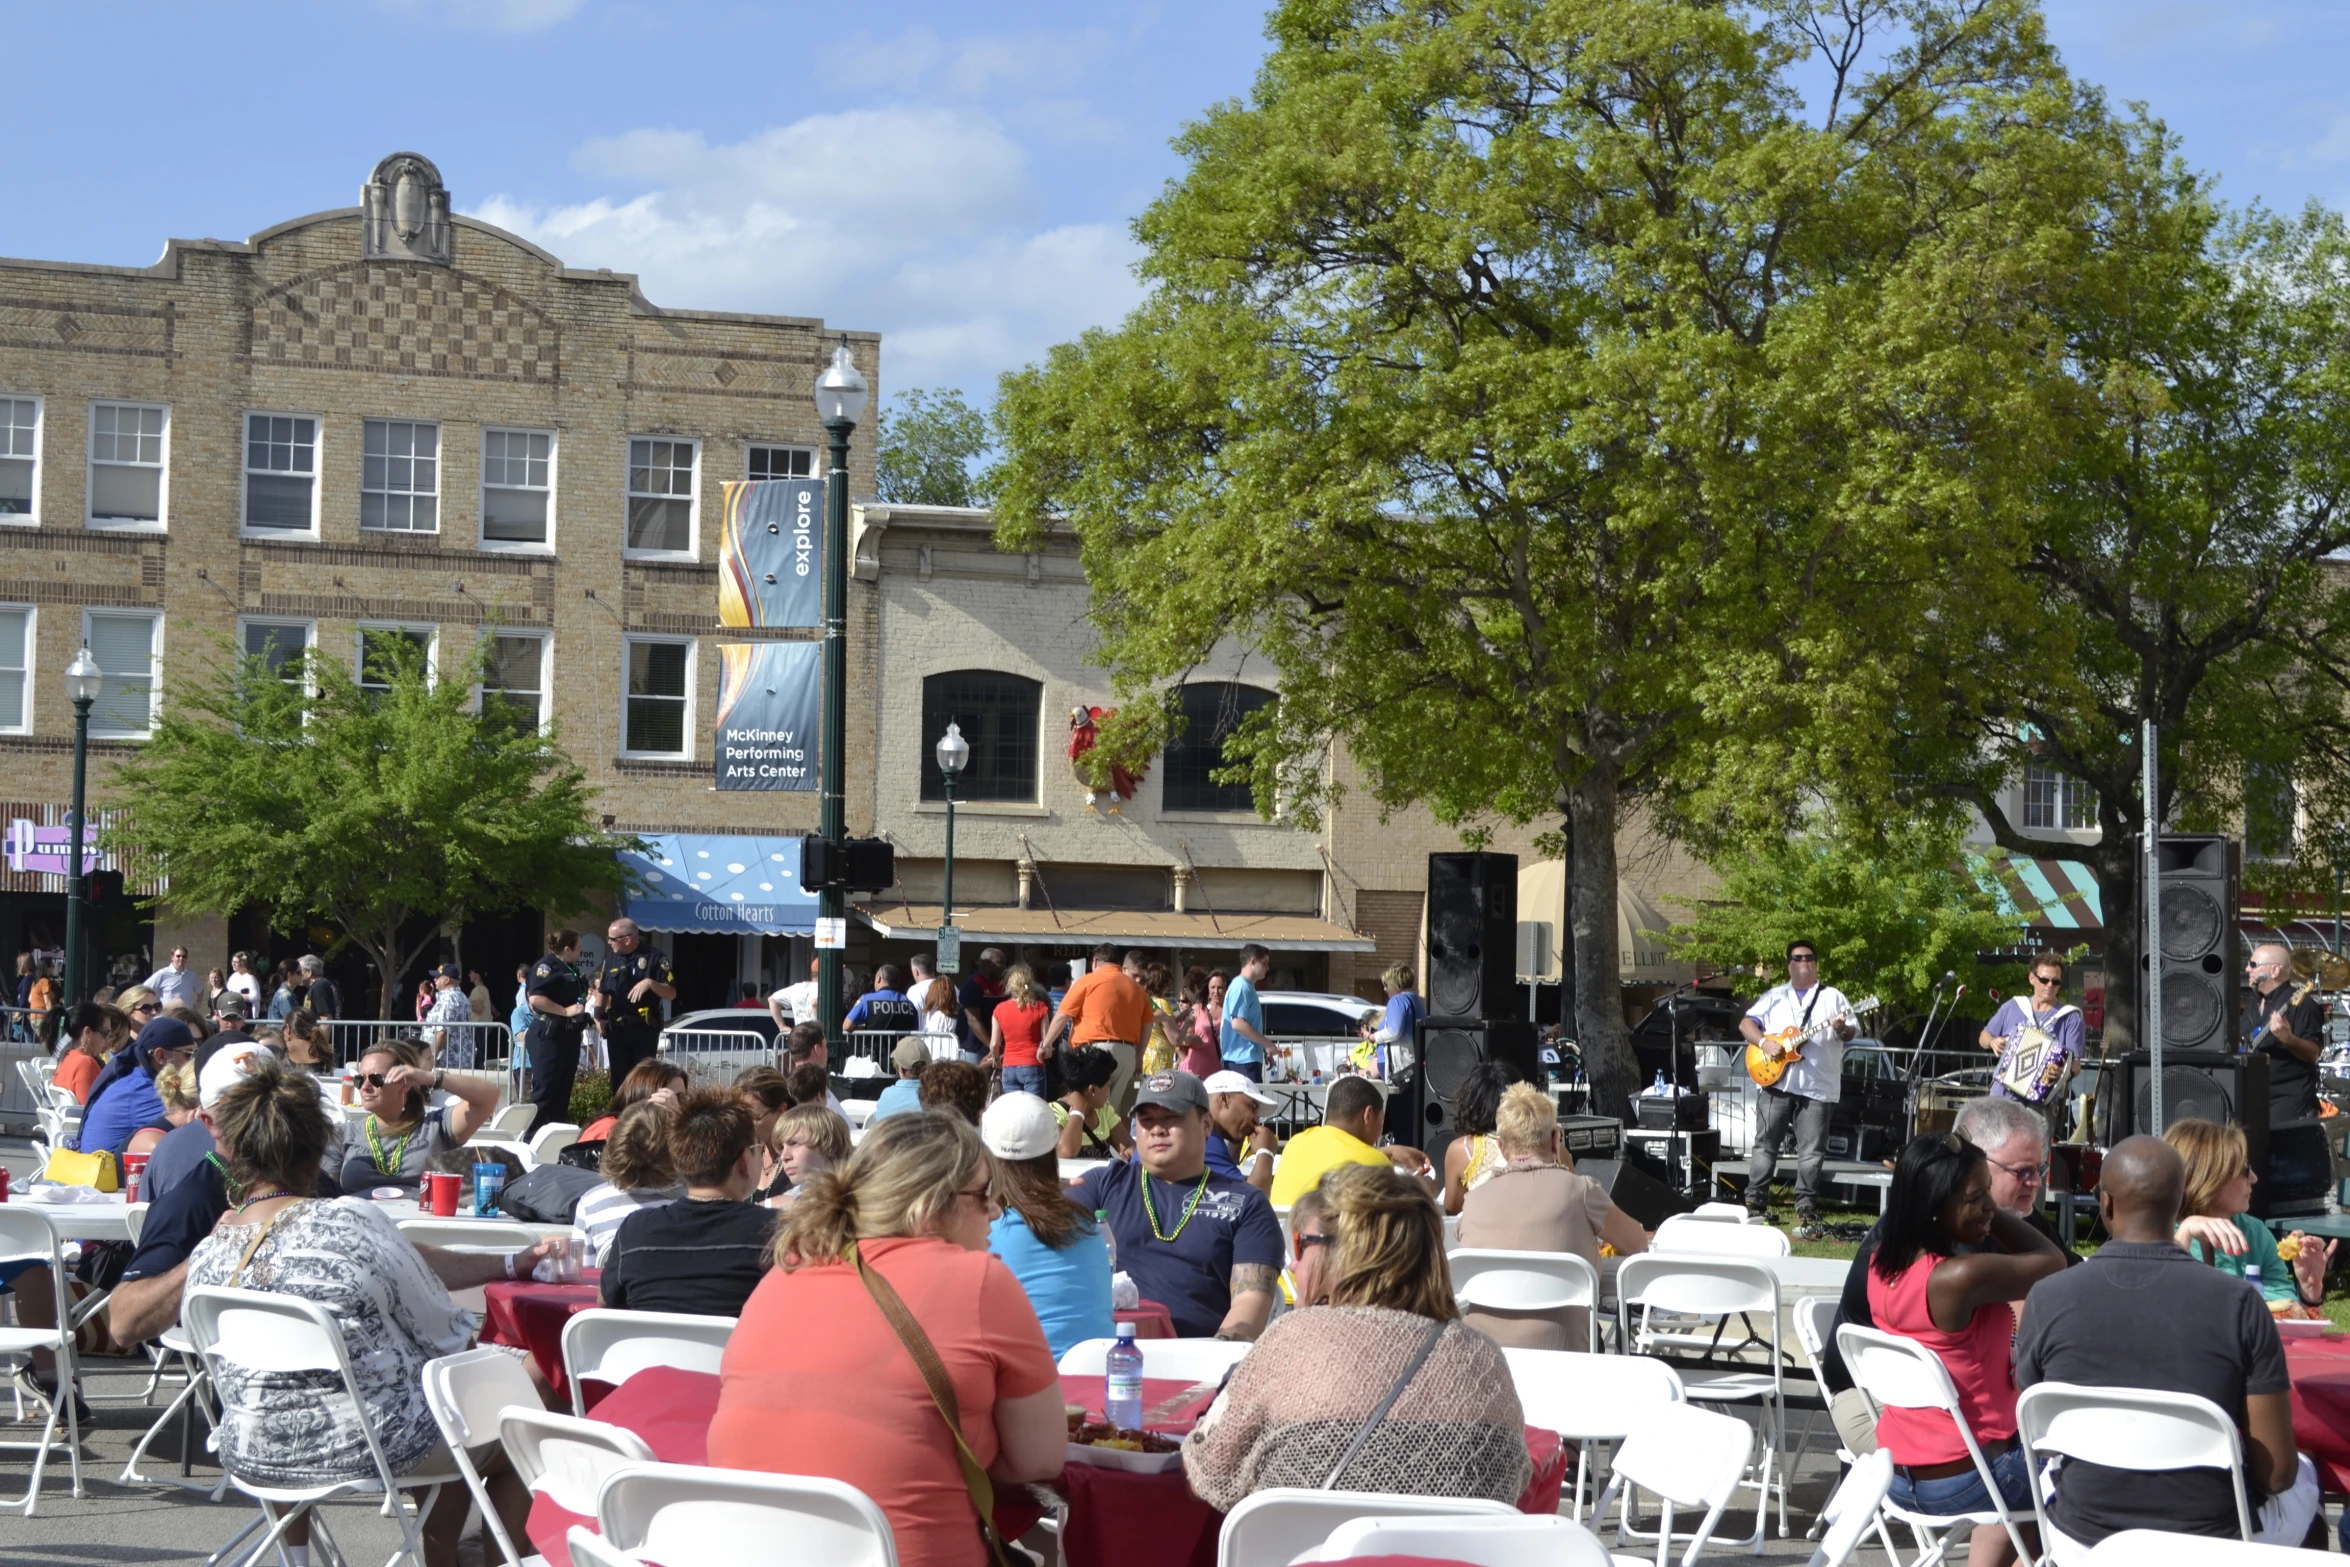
437 1075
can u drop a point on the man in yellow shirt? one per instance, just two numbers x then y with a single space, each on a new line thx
1353 1116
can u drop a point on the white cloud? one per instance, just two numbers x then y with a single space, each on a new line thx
918 221
495 16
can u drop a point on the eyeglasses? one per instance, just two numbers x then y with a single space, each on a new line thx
984 1196
2047 979
2031 1175
1304 1242
373 1079
146 1006
1804 957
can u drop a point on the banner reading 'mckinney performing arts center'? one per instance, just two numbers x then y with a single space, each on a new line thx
767 705
770 560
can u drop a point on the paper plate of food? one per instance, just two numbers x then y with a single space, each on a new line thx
1107 1446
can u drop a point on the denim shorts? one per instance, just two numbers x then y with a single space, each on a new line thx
1964 1493
1024 1080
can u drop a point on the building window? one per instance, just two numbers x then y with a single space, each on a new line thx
16 664
998 716
128 650
661 497
779 462
20 456
2270 811
281 472
514 682
400 476
1212 710
280 645
385 650
517 486
660 693
126 463
2053 800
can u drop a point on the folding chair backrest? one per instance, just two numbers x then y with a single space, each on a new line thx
1523 1280
514 1120
2134 1428
1272 1528
1898 1373
590 1549
1588 1398
1685 1234
730 1518
1853 1509
564 1458
259 1331
1692 1456
25 1235
1714 1286
1727 1212
551 1140
2155 1548
477 1235
1814 1316
468 1392
612 1346
1199 1359
1480 1542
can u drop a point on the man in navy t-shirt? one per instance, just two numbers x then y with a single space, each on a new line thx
1205 1246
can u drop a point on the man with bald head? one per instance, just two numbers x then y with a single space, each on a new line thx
2143 1314
2291 1036
630 988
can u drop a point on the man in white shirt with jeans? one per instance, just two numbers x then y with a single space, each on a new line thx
1806 1090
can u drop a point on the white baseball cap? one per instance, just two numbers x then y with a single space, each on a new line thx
1234 1083
224 1070
1019 1126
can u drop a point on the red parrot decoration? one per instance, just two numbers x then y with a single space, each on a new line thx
1084 732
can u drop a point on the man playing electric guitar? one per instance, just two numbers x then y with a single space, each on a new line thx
1811 1083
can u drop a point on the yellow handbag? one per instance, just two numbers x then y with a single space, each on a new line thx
68 1168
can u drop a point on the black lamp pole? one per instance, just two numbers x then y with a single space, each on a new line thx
840 398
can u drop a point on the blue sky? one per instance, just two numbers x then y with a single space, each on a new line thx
959 177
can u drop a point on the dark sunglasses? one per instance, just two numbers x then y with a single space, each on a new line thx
372 1079
1805 957
1305 1242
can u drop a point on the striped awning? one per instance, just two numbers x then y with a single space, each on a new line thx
2051 894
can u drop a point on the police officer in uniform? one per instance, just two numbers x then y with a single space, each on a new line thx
558 1017
630 988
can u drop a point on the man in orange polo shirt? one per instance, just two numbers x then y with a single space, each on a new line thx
1106 1009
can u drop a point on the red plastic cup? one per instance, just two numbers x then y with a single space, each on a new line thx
134 1175
444 1194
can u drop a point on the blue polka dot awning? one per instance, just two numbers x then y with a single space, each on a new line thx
718 885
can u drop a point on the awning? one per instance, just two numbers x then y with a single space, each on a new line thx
1642 957
1079 927
715 884
2053 894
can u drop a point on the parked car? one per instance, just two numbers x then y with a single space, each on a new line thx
1314 1014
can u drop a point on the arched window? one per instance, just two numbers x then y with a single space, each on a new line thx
1212 710
998 714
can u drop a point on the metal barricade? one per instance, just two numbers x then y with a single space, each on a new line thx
717 1055
23 1026
493 1052
875 1045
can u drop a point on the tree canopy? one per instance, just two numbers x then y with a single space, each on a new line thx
388 809
931 447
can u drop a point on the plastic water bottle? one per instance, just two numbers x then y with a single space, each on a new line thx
1101 1220
1657 1089
1122 1406
2252 1275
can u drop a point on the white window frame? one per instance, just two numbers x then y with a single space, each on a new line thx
438 492
693 649
31 519
546 642
432 647
779 446
154 676
481 487
162 522
693 527
245 472
309 643
29 653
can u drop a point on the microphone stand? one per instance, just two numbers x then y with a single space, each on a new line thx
1910 1083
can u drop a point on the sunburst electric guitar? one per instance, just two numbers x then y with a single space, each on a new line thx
1767 1061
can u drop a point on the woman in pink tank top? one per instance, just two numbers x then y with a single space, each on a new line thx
1948 1268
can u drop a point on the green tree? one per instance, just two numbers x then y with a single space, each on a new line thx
931 447
387 810
1893 908
1562 412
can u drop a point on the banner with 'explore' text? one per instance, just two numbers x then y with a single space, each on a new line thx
770 552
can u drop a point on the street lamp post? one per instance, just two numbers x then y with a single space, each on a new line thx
840 402
83 678
953 752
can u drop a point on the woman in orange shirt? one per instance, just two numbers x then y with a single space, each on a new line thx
93 1031
816 1381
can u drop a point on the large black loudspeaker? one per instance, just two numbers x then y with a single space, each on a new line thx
1449 1052
2197 1085
1635 1188
2199 940
1472 935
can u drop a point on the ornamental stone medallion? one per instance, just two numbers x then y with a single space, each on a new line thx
404 212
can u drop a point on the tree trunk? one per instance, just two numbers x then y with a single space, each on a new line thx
1592 803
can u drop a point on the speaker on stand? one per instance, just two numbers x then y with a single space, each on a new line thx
2199 936
1450 1049
1472 935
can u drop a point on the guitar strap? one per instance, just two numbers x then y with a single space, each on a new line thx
1805 1025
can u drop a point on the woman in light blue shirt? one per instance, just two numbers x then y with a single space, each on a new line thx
1054 1248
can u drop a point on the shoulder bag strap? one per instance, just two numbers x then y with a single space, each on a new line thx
1419 1359
254 1244
942 1394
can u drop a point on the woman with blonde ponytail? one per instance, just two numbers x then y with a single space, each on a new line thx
819 1380
1305 1407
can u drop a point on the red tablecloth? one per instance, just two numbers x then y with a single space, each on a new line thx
531 1316
2320 1369
1114 1517
1150 1319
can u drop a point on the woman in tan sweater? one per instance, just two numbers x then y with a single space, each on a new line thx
1297 1411
1535 1203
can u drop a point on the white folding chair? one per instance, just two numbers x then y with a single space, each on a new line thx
25 1236
1688 1458
2130 1428
512 1121
1901 1373
467 1393
1858 1503
1527 1282
1716 1289
1587 1399
589 1549
859 1111
173 1342
731 1518
1480 1542
510 1145
252 1332
552 1139
474 1235
612 1346
567 1460
1685 1234
1273 1528
1199 1359
2160 1548
1725 1212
